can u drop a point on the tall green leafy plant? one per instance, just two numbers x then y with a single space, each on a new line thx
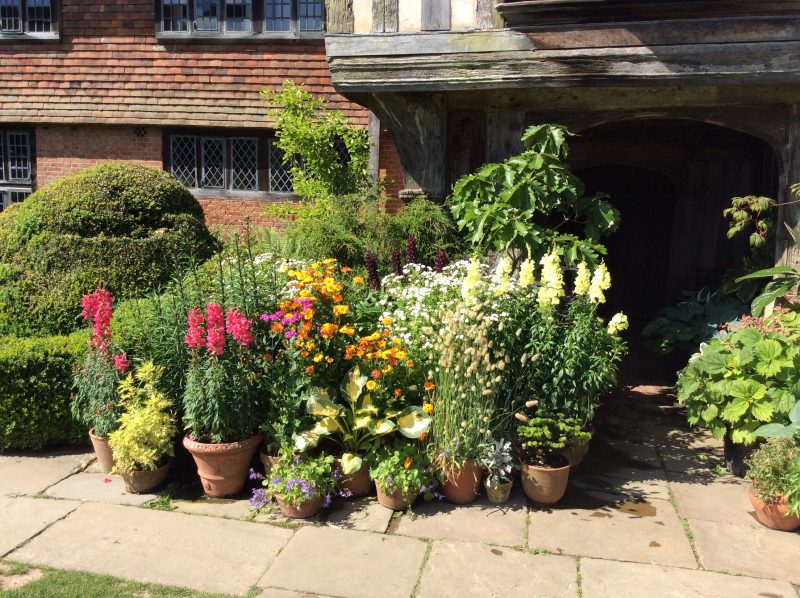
527 204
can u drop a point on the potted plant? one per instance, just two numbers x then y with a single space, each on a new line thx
221 402
578 445
498 462
545 472
143 443
301 484
401 473
95 402
773 473
356 426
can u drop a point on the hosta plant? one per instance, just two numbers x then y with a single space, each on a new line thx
356 424
739 383
145 437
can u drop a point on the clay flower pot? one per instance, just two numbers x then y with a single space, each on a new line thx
545 485
304 510
395 501
774 515
498 493
223 467
139 482
102 450
574 454
357 484
462 486
268 461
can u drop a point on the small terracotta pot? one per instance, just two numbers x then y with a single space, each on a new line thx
462 486
357 484
139 482
268 461
395 501
223 467
574 454
102 450
545 485
304 510
498 493
775 515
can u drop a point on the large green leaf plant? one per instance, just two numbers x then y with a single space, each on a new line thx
356 424
737 384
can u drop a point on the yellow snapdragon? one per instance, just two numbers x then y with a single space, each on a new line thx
552 284
501 280
526 276
601 281
582 279
618 323
469 288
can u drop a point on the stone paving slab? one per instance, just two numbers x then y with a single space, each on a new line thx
606 579
98 487
716 499
365 514
648 532
741 549
467 569
277 593
691 452
480 521
637 489
211 555
32 473
340 562
22 518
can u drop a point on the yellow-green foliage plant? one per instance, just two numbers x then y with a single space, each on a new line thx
145 435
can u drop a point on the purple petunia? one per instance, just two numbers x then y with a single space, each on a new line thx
259 498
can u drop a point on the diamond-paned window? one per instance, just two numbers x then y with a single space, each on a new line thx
238 15
244 164
310 15
279 179
213 163
183 159
175 15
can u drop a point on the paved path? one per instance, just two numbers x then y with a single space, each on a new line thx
644 517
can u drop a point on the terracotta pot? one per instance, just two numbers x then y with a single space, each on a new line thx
139 482
223 467
462 486
102 450
268 461
357 484
498 493
545 485
304 510
395 501
775 515
575 454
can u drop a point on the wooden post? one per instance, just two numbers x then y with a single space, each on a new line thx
378 16
339 16
488 17
786 252
385 16
374 128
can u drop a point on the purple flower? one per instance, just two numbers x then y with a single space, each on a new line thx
254 475
297 459
397 263
290 334
372 271
259 498
327 502
345 493
440 261
411 250
276 481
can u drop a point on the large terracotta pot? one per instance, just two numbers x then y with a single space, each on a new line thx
223 467
139 482
356 484
462 486
304 510
545 485
395 501
268 461
775 516
102 450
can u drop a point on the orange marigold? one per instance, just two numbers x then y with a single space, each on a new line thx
428 385
408 462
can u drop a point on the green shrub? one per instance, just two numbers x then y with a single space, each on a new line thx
769 468
126 228
35 387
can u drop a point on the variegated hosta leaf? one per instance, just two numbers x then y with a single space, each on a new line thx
370 410
319 405
306 440
354 384
382 427
350 463
392 413
327 425
413 421
366 402
362 421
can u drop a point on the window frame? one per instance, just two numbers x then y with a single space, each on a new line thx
7 185
40 36
263 138
258 32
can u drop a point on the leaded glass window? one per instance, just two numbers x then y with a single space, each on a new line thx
279 179
310 16
16 166
11 16
213 164
238 15
278 15
183 159
40 16
244 164
175 15
206 15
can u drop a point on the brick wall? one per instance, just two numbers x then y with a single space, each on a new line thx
390 169
62 150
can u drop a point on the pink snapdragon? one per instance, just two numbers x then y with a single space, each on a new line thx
121 362
195 337
97 311
238 326
215 336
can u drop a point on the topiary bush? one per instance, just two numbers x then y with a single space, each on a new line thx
124 227
35 388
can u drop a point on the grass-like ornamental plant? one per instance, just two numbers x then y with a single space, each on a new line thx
297 479
539 439
792 490
403 467
357 425
147 429
770 467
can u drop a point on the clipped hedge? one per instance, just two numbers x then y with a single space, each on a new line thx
35 387
124 227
